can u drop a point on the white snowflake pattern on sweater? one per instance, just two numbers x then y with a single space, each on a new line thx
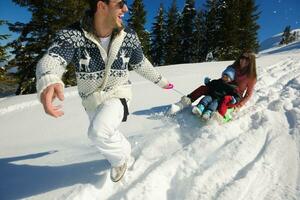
96 80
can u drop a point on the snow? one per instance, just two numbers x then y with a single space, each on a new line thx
256 156
274 41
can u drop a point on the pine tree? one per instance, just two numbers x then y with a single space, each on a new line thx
231 27
136 21
3 49
36 35
248 25
172 45
199 38
229 44
158 38
187 31
213 21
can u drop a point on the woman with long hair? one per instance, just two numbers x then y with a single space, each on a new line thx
245 78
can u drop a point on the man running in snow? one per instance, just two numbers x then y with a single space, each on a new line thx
103 52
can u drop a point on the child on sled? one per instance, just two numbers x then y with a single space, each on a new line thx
218 89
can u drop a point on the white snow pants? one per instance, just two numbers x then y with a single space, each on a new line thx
103 131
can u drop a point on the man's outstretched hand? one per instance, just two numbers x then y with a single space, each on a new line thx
169 86
47 98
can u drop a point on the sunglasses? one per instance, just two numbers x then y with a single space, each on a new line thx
245 57
122 3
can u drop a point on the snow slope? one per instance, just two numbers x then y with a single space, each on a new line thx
273 42
256 156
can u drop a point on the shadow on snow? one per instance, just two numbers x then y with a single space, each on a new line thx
21 181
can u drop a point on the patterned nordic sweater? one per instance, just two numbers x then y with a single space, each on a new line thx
99 75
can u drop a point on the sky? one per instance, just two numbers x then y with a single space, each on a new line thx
275 14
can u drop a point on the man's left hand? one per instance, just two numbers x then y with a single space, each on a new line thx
169 86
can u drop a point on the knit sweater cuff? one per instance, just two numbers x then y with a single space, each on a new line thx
163 82
45 81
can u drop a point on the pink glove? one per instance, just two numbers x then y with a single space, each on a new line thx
169 86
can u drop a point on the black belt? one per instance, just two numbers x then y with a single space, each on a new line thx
125 106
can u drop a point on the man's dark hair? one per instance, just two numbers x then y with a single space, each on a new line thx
93 4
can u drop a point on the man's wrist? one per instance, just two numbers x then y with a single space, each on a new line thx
46 81
163 82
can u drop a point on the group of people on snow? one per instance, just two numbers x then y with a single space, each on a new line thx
103 51
232 90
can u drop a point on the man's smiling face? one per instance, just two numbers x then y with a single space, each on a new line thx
116 10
